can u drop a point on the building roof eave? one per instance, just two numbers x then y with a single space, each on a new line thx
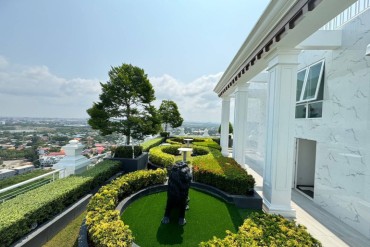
276 28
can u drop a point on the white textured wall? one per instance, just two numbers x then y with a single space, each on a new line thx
256 124
342 179
342 176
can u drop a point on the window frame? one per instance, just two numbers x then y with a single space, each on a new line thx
303 90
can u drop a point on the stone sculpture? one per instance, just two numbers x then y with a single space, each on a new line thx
178 191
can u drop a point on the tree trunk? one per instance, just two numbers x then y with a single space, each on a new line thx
128 140
165 127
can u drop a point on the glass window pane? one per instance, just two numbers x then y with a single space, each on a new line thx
320 94
300 80
315 110
312 81
300 111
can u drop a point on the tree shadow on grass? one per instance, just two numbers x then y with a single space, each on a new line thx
238 216
172 233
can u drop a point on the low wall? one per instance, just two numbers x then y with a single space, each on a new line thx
251 202
47 231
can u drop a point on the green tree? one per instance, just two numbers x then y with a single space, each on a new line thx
230 128
125 104
170 114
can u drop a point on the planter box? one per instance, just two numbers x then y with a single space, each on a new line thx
131 165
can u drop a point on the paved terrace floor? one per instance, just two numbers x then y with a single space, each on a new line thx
330 231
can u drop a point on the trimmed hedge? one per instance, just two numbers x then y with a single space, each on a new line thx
6 182
172 149
160 158
105 227
152 143
199 151
265 230
223 173
126 151
21 214
216 139
209 166
205 142
175 140
209 143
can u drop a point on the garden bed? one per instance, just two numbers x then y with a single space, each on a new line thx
24 213
207 217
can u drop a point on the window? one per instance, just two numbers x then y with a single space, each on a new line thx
309 95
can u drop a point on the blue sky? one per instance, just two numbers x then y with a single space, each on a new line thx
54 53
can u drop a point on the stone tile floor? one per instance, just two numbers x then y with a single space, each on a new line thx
330 231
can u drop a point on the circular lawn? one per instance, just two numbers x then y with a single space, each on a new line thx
207 217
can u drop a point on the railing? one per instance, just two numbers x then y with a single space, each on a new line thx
98 158
30 184
347 15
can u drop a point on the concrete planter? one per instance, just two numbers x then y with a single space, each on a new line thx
131 165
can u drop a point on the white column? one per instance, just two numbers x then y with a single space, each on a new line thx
225 119
240 123
277 175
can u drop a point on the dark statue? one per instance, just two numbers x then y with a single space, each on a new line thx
178 191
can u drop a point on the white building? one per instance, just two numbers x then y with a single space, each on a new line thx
302 106
73 162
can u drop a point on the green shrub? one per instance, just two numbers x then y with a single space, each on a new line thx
20 178
175 140
126 151
206 142
172 149
223 173
200 139
152 143
266 230
199 151
216 140
164 134
103 221
159 158
19 214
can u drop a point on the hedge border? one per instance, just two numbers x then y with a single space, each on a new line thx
18 223
105 228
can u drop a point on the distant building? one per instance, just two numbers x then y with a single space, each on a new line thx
6 173
23 169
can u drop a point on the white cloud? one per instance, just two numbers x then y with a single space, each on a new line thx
196 100
37 92
3 62
34 91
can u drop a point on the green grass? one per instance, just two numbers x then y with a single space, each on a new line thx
20 178
69 235
207 217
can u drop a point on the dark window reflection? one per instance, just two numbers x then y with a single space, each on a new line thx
300 111
315 110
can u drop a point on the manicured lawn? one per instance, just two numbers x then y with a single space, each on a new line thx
69 235
207 217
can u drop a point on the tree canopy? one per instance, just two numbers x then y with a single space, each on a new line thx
170 114
230 128
125 104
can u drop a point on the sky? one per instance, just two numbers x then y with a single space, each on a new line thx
54 54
